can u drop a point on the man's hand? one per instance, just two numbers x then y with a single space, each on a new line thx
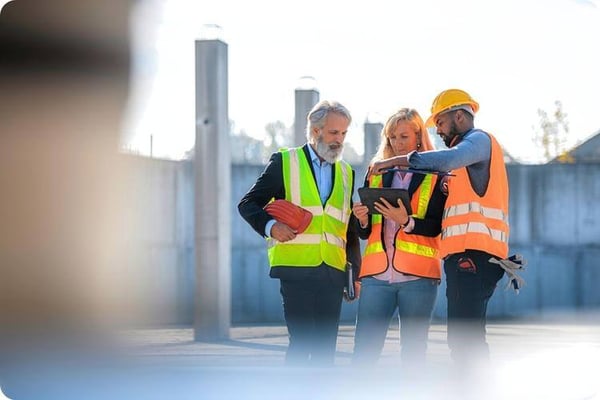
379 167
361 212
356 293
282 233
357 290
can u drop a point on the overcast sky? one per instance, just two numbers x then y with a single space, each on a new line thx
513 56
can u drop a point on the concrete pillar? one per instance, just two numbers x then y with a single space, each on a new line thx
306 96
212 315
372 139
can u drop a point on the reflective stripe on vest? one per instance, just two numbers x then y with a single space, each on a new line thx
423 201
418 249
426 188
475 207
324 240
315 239
475 227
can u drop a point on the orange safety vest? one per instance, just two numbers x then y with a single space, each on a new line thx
477 222
413 254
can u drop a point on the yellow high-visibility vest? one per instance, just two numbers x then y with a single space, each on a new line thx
324 241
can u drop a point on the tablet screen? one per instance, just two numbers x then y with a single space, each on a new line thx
368 197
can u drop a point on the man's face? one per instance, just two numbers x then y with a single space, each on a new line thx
330 138
446 127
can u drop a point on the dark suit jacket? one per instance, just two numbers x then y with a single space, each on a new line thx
270 185
431 225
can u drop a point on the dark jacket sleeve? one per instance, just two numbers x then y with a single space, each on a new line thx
352 238
268 185
364 233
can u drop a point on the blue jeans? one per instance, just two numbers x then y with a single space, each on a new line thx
378 301
468 290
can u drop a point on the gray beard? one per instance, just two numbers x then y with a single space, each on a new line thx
327 153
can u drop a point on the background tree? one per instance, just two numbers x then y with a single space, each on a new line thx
351 155
552 134
277 135
244 148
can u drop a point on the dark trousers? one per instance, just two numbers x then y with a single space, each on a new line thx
312 314
468 291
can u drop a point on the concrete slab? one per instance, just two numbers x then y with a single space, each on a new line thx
530 360
550 360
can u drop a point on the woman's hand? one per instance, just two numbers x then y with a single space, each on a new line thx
397 214
361 212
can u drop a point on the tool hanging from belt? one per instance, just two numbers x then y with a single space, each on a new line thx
511 265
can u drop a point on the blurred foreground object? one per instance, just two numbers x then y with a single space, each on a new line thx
64 77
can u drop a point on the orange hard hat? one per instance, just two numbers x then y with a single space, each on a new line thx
290 214
448 100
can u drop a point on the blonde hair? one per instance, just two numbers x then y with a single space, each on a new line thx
404 114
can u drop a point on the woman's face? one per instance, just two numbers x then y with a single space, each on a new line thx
403 138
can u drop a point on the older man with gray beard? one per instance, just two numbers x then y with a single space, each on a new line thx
310 264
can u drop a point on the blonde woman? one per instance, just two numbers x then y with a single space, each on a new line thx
401 268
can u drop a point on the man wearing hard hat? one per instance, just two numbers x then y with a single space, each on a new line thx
475 223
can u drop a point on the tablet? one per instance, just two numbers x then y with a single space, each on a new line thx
368 197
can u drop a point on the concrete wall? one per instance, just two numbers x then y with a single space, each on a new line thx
555 223
162 244
554 220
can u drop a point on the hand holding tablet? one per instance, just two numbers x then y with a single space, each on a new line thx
368 197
